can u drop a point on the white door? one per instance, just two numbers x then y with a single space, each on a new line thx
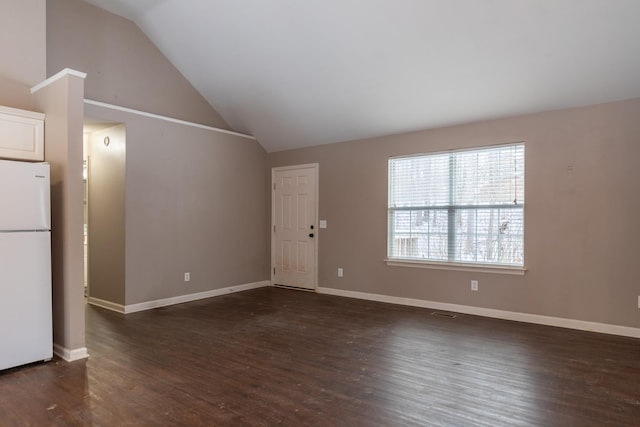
294 226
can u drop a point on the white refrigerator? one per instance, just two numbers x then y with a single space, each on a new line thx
25 264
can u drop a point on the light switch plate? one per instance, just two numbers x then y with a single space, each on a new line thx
323 223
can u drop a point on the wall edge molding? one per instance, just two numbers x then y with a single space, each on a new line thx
581 325
70 355
165 118
58 76
149 305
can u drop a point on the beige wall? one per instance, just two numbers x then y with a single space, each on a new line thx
62 102
196 201
582 210
23 65
23 47
107 214
123 67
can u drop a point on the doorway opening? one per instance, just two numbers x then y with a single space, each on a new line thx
104 161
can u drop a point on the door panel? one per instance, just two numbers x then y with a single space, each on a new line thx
294 236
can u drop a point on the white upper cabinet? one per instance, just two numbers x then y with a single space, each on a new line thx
21 134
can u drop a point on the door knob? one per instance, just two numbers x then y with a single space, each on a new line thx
311 235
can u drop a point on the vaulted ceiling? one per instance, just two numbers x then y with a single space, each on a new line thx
297 73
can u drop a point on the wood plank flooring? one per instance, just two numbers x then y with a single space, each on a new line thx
276 357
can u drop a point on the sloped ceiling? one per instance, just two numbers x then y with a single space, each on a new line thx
297 73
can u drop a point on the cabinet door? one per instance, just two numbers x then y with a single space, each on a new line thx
21 134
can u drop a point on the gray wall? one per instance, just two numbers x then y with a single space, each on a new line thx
62 102
23 47
123 67
582 209
107 188
196 201
23 65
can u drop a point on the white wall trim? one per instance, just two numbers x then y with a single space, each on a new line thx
119 308
58 76
476 268
148 305
488 312
70 355
165 118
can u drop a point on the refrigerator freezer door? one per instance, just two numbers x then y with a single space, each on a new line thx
24 196
25 298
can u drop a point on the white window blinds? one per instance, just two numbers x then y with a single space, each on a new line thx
459 206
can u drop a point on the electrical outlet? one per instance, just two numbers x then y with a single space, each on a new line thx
340 272
474 285
187 277
638 301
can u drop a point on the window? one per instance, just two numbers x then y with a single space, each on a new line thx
463 206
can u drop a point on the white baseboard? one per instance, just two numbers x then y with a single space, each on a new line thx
70 355
106 304
488 312
148 305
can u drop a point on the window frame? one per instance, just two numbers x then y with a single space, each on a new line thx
451 211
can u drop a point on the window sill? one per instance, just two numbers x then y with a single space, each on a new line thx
497 269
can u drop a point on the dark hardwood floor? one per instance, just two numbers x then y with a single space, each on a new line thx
281 357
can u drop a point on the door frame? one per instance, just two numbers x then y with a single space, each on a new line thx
274 170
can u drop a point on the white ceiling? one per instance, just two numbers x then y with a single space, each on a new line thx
297 73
